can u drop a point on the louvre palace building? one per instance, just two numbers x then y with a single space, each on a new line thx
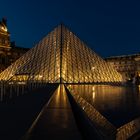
127 65
9 52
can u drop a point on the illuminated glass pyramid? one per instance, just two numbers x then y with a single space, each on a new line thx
61 57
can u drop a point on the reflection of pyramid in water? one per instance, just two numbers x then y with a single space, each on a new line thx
61 57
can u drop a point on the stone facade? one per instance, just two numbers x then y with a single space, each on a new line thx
127 65
9 52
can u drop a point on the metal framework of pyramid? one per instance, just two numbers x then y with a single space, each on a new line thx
61 57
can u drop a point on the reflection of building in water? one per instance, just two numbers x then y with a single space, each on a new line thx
93 93
127 65
9 52
101 96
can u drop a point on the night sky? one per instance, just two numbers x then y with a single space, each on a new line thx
109 27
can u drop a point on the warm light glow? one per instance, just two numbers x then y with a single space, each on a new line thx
4 28
93 95
21 83
93 68
40 76
93 88
11 83
11 75
58 95
19 78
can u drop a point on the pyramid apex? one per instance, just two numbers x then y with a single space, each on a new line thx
62 24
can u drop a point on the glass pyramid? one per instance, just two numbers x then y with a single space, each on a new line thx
61 57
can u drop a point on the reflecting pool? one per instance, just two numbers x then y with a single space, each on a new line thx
118 104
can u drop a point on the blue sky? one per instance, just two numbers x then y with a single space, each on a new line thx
109 27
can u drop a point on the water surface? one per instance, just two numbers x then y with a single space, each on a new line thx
118 104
